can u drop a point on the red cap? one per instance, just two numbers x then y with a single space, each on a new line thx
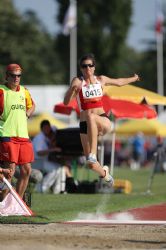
13 67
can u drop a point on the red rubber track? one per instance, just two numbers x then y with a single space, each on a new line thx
153 212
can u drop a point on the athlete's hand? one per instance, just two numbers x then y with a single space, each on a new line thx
137 78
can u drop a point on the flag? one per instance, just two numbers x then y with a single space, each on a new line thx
70 19
13 204
159 19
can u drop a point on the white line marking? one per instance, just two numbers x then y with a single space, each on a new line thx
134 222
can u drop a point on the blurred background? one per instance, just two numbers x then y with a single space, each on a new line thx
122 34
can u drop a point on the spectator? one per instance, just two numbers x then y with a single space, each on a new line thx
54 173
159 161
160 156
16 105
138 150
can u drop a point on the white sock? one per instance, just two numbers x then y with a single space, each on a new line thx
92 155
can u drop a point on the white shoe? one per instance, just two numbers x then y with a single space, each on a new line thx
108 177
91 158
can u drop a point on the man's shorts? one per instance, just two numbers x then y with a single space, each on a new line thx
19 153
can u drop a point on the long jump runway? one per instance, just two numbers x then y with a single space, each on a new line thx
151 215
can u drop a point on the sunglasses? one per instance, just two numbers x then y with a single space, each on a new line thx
14 75
84 66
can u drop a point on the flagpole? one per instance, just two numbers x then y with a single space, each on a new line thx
73 47
70 28
73 53
160 77
160 73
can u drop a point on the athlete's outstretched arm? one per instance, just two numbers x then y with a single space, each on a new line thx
119 81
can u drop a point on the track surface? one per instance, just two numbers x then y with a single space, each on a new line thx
154 215
88 236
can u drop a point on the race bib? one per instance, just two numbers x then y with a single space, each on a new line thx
92 92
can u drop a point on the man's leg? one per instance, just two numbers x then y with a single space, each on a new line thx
22 182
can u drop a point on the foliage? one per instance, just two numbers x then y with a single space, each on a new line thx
24 40
148 67
148 63
101 29
129 62
53 208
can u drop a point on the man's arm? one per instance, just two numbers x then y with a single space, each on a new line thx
30 105
31 110
5 172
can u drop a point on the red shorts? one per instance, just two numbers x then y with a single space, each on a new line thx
19 153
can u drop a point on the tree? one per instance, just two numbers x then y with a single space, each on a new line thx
24 40
102 30
148 65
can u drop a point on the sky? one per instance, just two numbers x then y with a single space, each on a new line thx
143 19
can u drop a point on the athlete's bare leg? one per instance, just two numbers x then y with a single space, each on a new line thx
96 125
86 148
92 133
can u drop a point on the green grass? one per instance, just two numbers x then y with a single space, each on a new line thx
57 208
